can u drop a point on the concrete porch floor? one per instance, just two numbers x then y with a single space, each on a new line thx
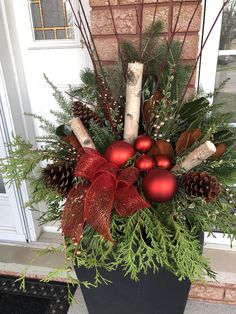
14 258
192 307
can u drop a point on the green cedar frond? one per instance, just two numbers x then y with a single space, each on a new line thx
22 159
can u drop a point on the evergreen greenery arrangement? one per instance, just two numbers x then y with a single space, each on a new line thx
114 208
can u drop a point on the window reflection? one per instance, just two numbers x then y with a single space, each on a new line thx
228 30
226 68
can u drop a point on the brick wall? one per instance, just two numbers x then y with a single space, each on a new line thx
214 293
126 16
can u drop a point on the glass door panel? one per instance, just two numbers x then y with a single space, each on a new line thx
226 66
2 186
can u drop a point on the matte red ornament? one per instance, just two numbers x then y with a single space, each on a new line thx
144 163
164 162
159 185
119 153
143 143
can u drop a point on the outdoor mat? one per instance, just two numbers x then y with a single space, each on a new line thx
38 297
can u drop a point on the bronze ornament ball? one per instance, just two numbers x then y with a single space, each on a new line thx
163 162
143 143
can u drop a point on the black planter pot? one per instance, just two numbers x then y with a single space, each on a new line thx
160 293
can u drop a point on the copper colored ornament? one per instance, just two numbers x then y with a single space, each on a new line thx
161 147
72 140
143 143
220 150
144 163
159 185
149 108
119 153
187 139
164 162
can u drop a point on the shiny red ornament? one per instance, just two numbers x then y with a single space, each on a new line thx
159 185
143 143
163 162
144 163
119 153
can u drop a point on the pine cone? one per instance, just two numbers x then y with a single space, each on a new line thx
201 184
59 176
80 110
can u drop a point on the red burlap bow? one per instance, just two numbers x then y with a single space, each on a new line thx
109 187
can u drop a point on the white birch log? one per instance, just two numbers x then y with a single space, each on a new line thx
132 108
81 133
195 158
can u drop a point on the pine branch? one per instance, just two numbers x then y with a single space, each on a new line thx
102 137
63 103
48 127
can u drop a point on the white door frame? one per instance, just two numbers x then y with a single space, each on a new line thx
209 56
16 102
206 80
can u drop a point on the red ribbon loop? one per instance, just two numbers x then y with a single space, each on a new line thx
110 187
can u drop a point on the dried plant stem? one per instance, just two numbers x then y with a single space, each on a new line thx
187 29
169 43
84 28
117 37
149 39
140 23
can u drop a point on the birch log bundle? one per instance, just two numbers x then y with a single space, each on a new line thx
196 157
81 133
132 108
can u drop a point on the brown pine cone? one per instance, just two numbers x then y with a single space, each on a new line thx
201 184
80 110
59 176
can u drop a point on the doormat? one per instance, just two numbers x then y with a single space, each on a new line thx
38 297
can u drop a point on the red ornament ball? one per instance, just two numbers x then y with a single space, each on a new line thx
159 185
143 143
163 162
119 153
144 163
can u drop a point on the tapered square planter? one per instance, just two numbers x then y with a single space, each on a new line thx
160 293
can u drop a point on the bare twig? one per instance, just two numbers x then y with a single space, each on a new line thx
83 26
140 22
117 37
169 43
187 29
149 39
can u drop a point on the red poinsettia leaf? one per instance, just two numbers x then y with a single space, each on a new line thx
98 204
73 218
128 201
127 176
88 164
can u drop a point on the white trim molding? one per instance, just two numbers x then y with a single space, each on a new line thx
15 104
210 52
